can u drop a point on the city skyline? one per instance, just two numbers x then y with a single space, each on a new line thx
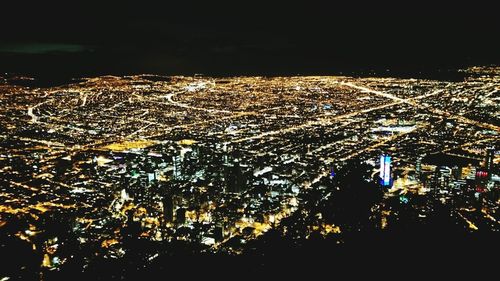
145 140
145 169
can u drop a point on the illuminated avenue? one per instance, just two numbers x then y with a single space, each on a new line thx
216 163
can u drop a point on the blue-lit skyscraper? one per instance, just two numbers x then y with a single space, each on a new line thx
385 170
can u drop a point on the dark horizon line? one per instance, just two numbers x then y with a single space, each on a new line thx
452 74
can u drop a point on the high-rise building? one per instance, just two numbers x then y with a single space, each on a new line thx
442 176
180 215
177 163
168 208
332 172
385 170
490 157
236 180
151 177
472 174
418 167
456 172
219 232
481 179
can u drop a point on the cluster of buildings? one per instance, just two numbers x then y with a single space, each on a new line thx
218 162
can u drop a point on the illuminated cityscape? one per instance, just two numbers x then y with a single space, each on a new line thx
212 165
213 140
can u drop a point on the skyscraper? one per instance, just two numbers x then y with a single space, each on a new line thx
418 167
441 178
236 180
385 170
168 208
151 177
482 176
180 215
219 232
444 176
332 172
177 162
472 173
456 172
490 157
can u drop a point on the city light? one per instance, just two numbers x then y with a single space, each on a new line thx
223 165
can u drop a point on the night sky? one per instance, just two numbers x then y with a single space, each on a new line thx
55 38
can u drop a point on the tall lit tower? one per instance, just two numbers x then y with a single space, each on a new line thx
177 162
385 170
490 156
418 167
